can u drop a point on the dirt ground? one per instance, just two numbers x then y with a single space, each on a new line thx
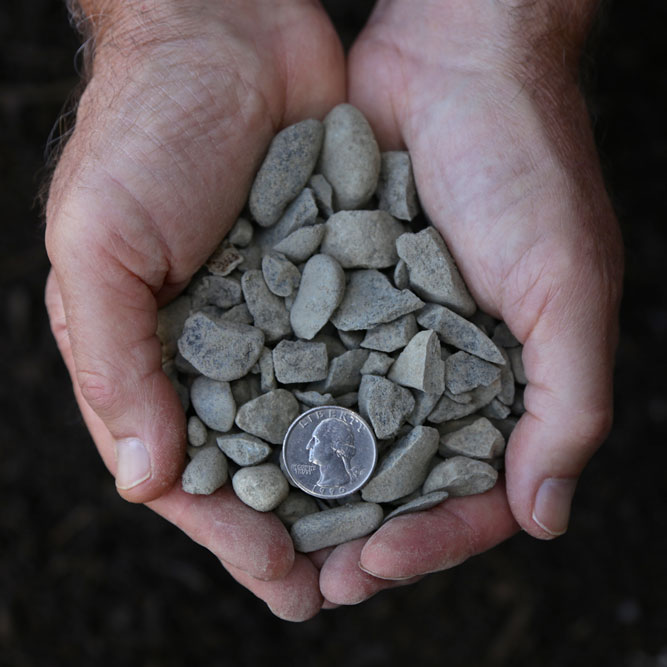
87 579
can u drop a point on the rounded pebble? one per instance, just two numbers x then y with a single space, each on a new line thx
262 487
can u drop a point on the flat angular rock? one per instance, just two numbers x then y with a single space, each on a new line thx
301 244
401 275
321 290
377 363
370 299
447 409
323 194
299 214
314 399
433 273
350 157
459 332
213 402
424 405
348 400
197 432
220 350
465 372
300 361
244 449
419 504
351 339
268 310
240 235
295 506
461 476
396 191
404 468
287 167
268 416
206 472
344 373
224 260
385 404
496 410
280 275
335 526
516 360
362 239
479 440
262 487
170 321
391 336
217 291
419 365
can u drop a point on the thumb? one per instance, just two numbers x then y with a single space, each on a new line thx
108 267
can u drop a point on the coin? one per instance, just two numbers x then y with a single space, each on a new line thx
329 452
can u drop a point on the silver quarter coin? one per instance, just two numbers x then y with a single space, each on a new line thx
329 452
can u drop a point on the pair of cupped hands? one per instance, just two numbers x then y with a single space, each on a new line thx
182 103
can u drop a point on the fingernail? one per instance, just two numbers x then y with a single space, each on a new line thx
382 576
552 504
133 465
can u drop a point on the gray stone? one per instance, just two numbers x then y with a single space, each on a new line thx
404 468
424 404
220 350
239 314
347 400
267 375
401 275
516 360
335 526
384 404
419 365
262 487
240 235
391 336
280 275
484 321
314 399
299 214
300 361
433 273
268 310
246 389
351 339
295 506
479 440
496 410
184 366
285 170
461 476
503 337
301 244
419 504
396 189
350 157
460 333
370 299
214 403
206 472
465 372
508 388
323 194
447 409
251 258
362 239
224 260
170 321
217 291
505 426
197 432
377 363
268 416
333 344
244 449
344 373
320 292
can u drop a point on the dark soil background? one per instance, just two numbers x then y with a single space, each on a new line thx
87 579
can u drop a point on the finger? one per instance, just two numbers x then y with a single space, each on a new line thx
319 557
295 597
255 542
440 538
343 582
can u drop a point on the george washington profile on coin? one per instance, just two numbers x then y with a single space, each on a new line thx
329 452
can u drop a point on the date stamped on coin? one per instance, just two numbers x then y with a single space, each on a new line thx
329 452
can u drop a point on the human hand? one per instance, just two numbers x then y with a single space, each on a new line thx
485 98
183 101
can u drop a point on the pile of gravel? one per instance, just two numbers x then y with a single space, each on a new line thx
334 290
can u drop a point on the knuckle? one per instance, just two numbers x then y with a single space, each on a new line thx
100 391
